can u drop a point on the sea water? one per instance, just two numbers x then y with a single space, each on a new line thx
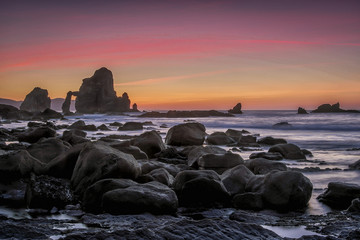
334 139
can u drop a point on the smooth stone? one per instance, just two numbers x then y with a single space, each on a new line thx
339 195
271 141
288 151
263 166
236 178
219 162
149 142
34 135
219 138
186 134
267 155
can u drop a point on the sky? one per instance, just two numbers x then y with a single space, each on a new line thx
199 54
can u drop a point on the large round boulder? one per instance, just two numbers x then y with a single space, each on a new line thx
285 190
97 161
289 151
200 188
339 195
33 135
263 166
161 175
271 141
219 138
219 162
196 152
152 197
236 178
149 142
186 134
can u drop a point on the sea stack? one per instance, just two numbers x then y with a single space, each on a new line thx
36 101
302 111
335 108
236 109
97 94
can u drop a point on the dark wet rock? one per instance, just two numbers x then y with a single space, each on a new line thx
335 108
355 165
131 126
219 138
306 152
302 111
248 200
36 101
50 114
116 124
219 162
150 197
135 108
355 206
263 166
97 94
66 104
196 152
13 194
16 165
288 151
252 217
74 136
236 178
339 195
47 149
186 134
48 192
148 166
171 153
63 165
113 164
236 109
234 134
267 155
161 175
149 142
282 125
33 135
200 188
103 127
77 125
127 148
271 141
8 112
185 114
247 141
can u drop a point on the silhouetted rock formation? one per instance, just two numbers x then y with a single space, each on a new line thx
335 108
97 94
302 111
36 101
186 114
66 105
134 108
236 109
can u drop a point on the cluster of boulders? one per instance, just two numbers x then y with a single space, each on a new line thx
145 174
327 108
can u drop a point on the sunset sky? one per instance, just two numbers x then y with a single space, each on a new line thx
187 54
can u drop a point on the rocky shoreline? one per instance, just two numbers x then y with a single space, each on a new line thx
144 188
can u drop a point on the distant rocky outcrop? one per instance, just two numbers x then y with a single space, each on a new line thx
36 101
135 108
66 105
302 111
97 94
236 109
335 108
185 114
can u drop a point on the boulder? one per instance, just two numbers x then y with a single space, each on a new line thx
127 148
271 141
302 111
16 165
288 151
48 192
248 201
263 166
200 188
219 138
46 149
170 155
355 206
36 101
149 142
236 178
339 195
92 200
196 152
80 125
267 155
285 190
186 134
152 197
97 161
335 108
161 175
74 136
283 125
33 135
50 114
235 134
236 109
8 112
103 127
355 165
148 166
219 162
247 140
116 124
131 126
97 94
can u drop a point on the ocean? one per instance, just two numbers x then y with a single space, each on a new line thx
334 139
